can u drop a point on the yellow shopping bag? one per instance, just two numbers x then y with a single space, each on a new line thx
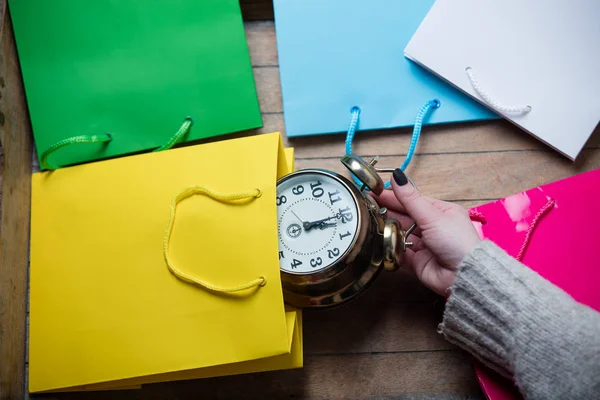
118 300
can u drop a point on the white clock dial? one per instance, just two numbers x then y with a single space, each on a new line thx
317 222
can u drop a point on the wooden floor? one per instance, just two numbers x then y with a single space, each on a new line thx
384 345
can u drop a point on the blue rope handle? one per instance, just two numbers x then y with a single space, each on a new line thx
423 112
355 116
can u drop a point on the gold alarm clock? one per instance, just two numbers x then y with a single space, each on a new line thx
334 239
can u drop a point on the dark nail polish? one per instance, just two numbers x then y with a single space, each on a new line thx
399 177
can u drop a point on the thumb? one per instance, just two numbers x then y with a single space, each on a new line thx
417 206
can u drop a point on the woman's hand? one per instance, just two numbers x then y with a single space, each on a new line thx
444 234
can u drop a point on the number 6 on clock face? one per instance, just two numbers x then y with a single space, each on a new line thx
317 218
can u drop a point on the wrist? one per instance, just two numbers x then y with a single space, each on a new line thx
469 246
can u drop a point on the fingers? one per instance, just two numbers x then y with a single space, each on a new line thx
409 260
416 261
441 205
405 221
418 243
388 200
417 206
426 268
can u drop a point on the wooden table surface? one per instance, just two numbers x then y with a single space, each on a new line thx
382 346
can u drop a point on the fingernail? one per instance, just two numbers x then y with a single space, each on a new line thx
399 177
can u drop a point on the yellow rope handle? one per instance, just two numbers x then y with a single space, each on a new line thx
231 198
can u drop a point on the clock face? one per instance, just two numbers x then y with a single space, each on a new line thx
317 222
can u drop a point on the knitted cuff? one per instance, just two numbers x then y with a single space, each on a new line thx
480 310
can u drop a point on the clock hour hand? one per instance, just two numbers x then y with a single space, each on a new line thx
325 225
319 223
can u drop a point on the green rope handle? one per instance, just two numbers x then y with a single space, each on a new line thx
176 138
106 137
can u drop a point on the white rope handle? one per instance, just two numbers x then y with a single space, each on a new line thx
486 97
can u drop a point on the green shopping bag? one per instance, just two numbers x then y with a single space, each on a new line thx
106 78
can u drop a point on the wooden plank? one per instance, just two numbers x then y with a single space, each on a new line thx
473 203
382 320
14 240
493 136
262 44
268 88
474 176
257 10
1 158
434 375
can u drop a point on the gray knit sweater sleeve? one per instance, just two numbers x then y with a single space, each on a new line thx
524 327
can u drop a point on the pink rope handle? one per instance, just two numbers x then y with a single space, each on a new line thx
543 211
479 217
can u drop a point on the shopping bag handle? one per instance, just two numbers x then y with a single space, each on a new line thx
231 198
105 138
479 217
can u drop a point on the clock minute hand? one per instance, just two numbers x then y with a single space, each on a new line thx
305 225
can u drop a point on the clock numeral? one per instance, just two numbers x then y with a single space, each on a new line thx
315 262
298 190
333 253
343 235
296 263
281 255
334 197
317 190
346 215
281 200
